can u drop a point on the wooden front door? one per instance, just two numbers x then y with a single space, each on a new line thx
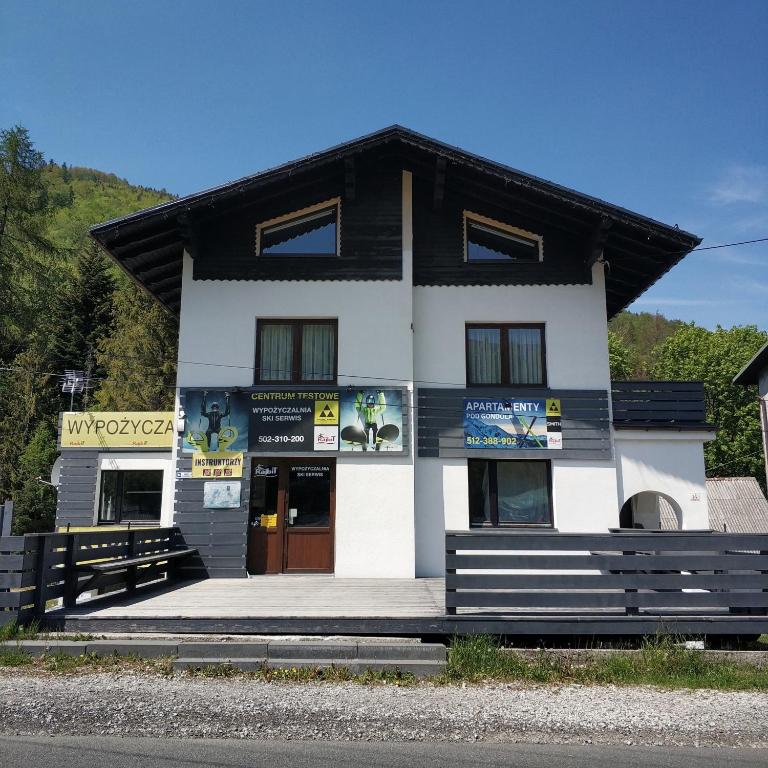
291 516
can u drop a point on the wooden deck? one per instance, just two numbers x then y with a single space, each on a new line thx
290 603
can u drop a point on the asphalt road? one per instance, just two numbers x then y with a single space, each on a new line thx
115 752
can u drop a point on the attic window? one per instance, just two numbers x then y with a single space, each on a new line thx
312 231
487 240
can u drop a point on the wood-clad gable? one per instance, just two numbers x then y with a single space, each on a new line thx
438 241
217 226
370 231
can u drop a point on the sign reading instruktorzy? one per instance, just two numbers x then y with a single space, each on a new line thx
295 421
511 424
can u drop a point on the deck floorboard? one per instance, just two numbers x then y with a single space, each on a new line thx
279 597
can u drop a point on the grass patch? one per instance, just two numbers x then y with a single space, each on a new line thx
332 674
12 631
659 661
14 657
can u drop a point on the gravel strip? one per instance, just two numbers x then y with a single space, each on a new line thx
143 705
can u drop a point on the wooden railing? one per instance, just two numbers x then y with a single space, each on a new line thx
38 570
677 404
629 574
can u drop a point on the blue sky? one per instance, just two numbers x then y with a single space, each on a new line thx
657 106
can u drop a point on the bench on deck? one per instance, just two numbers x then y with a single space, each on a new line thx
123 565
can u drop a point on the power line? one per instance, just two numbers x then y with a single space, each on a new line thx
730 245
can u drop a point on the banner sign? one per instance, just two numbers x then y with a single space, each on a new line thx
217 464
512 424
117 429
332 420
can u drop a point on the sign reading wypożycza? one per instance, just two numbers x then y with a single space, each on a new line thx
512 424
117 429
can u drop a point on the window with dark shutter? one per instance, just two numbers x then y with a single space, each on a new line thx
312 231
487 240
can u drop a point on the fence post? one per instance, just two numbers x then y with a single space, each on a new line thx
71 575
449 571
628 609
130 576
6 517
41 575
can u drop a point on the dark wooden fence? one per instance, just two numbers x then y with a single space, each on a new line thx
625 574
40 568
18 563
678 404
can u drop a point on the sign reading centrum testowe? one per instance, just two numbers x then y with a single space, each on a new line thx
295 421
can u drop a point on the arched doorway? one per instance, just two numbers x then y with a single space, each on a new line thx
651 510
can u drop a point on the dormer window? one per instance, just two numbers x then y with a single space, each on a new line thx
312 231
488 240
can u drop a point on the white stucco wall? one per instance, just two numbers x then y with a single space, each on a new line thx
217 340
576 329
668 463
576 335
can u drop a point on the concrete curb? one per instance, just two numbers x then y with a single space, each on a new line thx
419 659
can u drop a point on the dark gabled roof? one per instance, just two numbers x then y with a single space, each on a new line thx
149 244
750 373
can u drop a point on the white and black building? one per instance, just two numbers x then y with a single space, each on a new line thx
401 338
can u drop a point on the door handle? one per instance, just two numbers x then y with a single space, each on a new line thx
292 514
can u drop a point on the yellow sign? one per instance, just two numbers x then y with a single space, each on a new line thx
222 464
553 408
326 412
269 521
117 429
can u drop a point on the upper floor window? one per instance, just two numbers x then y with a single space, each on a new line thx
505 354
492 241
296 351
312 231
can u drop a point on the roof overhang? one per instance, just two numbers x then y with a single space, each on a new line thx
149 244
750 373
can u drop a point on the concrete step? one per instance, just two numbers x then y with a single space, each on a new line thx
316 650
416 668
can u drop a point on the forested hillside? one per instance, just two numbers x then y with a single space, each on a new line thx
63 305
641 332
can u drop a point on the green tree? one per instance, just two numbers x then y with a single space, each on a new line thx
26 253
139 357
621 358
642 332
715 357
35 501
82 313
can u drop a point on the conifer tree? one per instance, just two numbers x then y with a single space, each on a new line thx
82 313
27 262
139 357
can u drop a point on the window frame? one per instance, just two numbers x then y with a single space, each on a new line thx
297 325
504 228
298 214
119 492
505 369
493 494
